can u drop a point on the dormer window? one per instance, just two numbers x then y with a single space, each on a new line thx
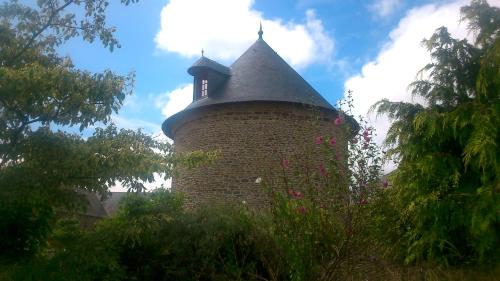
205 70
204 88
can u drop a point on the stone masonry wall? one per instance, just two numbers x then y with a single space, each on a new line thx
253 139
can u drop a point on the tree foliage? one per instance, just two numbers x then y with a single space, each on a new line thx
447 184
42 168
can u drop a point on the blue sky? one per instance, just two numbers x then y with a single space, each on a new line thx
371 47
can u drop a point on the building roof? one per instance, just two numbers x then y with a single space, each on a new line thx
260 74
97 207
206 63
94 207
111 203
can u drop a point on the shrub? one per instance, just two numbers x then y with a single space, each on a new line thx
153 238
320 209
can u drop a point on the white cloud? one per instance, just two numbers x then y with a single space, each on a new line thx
157 183
399 60
135 124
226 28
175 101
384 8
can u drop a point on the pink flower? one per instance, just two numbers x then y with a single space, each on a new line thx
338 121
362 201
318 140
302 209
366 145
295 194
385 183
337 157
332 141
366 135
285 163
322 170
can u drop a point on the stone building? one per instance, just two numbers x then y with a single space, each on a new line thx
256 112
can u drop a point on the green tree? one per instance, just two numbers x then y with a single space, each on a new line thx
41 169
446 186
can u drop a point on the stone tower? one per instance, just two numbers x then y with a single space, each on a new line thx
256 112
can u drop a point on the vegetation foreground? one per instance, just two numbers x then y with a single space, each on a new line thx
437 217
152 238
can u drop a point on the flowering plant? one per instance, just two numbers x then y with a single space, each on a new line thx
320 205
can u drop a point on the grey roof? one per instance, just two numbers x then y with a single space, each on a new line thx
111 203
260 74
204 63
94 207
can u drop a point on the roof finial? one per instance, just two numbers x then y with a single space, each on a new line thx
202 52
260 31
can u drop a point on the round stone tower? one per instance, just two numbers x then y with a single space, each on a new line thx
255 113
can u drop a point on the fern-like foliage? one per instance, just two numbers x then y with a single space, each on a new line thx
446 187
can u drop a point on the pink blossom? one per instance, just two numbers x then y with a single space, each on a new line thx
302 209
362 201
322 170
285 163
338 121
332 141
385 183
337 157
366 145
295 194
366 135
318 140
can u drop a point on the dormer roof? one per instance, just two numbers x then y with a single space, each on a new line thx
205 63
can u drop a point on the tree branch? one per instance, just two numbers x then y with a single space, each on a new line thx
36 34
70 26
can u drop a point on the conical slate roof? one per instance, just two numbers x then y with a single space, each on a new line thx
260 74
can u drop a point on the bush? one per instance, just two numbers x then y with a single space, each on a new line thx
153 238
